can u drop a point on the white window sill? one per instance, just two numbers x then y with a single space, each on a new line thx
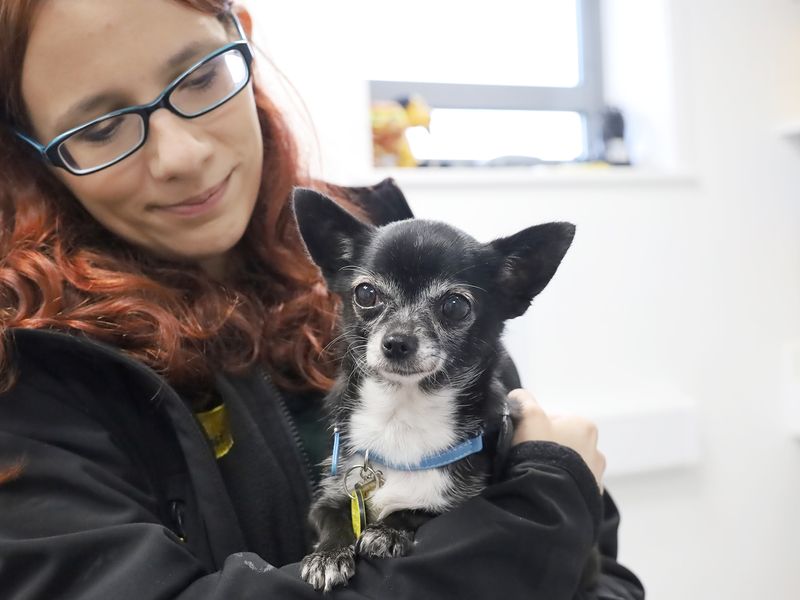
791 131
562 175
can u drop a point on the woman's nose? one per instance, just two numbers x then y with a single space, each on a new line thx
176 146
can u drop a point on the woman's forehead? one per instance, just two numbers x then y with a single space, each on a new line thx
86 56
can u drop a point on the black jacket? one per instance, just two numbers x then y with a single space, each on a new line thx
121 496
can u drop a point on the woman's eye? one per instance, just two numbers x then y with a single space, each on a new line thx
102 132
202 80
365 295
456 307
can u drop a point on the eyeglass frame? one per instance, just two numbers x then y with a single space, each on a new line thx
49 151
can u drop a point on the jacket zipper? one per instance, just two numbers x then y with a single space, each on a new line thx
177 512
295 433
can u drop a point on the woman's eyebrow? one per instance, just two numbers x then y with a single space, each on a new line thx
190 51
82 109
86 106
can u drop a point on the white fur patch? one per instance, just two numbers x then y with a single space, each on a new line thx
403 424
427 490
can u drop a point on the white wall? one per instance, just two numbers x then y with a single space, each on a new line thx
685 287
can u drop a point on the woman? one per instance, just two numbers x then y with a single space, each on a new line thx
164 335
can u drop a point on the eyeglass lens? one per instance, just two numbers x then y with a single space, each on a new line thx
203 89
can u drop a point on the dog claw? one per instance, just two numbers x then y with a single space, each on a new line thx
326 570
384 542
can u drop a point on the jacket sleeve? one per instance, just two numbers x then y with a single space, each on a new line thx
81 522
615 581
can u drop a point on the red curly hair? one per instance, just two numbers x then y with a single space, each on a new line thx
59 269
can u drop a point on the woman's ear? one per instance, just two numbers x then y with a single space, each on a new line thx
245 19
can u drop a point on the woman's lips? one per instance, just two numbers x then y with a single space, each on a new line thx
201 203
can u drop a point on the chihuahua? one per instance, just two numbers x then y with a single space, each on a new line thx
420 417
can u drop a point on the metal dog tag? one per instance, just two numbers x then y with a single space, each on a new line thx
371 480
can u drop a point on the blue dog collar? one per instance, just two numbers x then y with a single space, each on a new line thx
440 459
432 461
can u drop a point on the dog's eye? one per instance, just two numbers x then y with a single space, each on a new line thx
365 295
456 307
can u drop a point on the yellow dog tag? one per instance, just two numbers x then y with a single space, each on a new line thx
358 511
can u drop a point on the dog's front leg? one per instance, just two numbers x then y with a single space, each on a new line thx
392 536
333 561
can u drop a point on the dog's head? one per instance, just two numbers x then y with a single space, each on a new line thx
420 299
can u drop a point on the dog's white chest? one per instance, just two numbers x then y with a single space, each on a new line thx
402 425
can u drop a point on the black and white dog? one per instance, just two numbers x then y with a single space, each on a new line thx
418 408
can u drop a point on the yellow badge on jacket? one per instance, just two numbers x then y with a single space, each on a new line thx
217 426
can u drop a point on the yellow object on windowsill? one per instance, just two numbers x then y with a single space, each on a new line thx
390 119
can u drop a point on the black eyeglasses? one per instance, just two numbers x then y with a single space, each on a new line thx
106 140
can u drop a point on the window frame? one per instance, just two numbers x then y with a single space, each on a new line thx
586 98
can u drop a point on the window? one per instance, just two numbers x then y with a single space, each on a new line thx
507 82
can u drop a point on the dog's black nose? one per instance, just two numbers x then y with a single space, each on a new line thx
399 345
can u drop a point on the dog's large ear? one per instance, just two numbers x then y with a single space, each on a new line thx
330 233
531 258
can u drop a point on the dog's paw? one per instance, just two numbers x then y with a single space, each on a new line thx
379 541
326 570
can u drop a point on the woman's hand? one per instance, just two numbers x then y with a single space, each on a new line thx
575 432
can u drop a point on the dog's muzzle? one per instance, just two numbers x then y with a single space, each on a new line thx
399 346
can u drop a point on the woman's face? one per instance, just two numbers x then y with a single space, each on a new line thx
111 54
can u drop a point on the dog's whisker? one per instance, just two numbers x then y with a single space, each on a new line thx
345 333
471 285
452 274
359 270
353 371
356 350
